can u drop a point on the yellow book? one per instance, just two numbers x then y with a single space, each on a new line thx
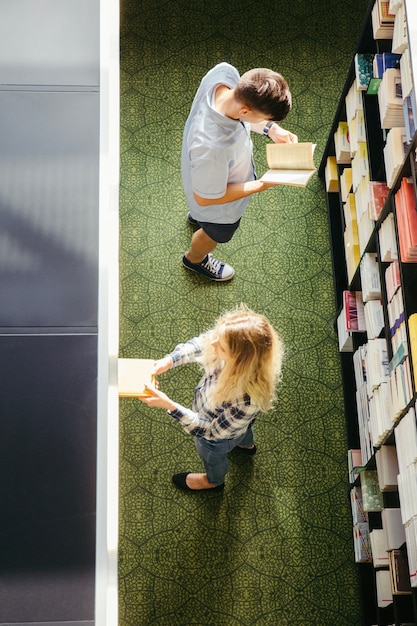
133 375
332 179
290 163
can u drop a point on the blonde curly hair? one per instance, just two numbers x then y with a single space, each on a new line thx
256 355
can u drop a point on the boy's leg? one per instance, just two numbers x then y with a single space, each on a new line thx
201 246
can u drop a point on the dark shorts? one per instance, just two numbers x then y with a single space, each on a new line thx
220 233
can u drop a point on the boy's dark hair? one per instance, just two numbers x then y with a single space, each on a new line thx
265 91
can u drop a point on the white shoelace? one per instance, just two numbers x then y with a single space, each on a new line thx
213 265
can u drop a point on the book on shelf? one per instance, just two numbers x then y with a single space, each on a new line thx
345 183
378 543
390 99
392 279
290 163
357 132
370 281
341 143
344 336
331 176
405 207
378 193
387 467
374 318
406 73
394 153
354 463
412 330
406 440
399 34
393 527
353 102
383 588
399 570
134 375
382 20
401 390
411 538
407 490
380 425
396 320
354 311
359 516
383 61
372 498
410 116
388 240
363 69
361 542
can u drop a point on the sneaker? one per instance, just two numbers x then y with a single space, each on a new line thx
192 221
211 268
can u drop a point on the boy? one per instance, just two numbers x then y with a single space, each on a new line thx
217 165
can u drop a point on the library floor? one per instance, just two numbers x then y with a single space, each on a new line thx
275 548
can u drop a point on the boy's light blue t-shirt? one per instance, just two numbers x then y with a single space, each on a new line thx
216 151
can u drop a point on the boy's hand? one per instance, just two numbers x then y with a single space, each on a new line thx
280 135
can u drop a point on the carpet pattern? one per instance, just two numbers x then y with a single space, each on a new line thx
276 546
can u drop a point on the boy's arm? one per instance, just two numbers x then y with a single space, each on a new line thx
275 132
235 191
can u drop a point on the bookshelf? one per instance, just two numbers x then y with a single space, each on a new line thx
369 169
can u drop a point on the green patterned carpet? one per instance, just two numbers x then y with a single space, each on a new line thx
276 547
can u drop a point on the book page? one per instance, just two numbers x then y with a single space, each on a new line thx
133 375
291 156
297 178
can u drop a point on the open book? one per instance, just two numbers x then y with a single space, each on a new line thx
290 163
133 375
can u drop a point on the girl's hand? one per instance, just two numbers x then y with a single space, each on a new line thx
162 365
157 399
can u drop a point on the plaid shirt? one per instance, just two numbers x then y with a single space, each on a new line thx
228 421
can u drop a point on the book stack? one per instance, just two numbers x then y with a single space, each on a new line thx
390 99
405 207
382 20
344 336
400 386
360 186
341 142
388 240
412 331
394 528
394 152
378 193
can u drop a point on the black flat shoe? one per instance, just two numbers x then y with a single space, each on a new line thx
180 481
248 451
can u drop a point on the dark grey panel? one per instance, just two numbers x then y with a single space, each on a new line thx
47 477
49 187
49 42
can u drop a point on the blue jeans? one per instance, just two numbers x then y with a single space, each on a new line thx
214 454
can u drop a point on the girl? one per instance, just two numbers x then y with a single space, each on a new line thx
242 359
